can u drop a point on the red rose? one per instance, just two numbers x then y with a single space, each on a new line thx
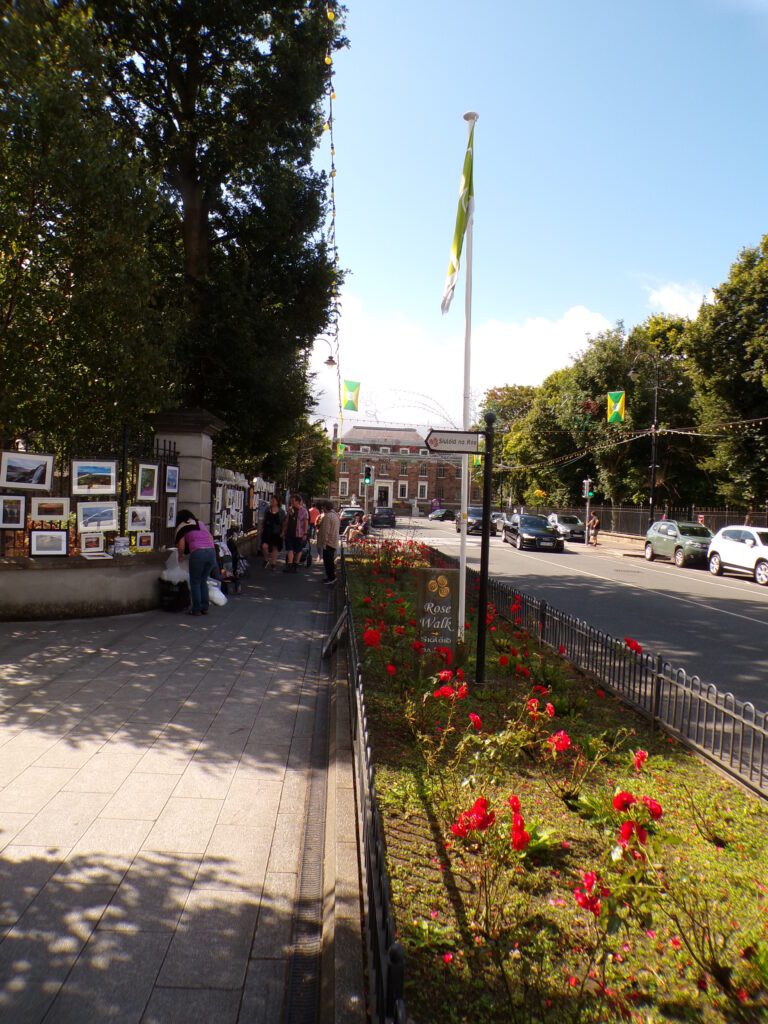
559 741
391 669
372 638
476 721
654 807
445 676
623 800
503 660
639 759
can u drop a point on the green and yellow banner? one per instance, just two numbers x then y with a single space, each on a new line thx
351 398
463 217
615 406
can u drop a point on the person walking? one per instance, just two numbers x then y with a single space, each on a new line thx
328 540
314 515
594 529
296 527
272 533
194 539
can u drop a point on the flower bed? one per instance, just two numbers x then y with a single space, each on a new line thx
551 858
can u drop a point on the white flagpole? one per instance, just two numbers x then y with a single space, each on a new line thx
470 117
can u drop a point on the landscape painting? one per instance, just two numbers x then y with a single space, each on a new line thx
94 476
12 511
138 517
49 510
48 542
171 479
92 542
145 541
146 487
98 516
25 471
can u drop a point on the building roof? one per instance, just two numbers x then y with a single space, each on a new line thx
392 436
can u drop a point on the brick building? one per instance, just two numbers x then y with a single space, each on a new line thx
405 472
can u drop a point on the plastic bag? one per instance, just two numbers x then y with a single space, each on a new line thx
215 595
173 571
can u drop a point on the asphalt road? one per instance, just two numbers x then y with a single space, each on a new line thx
713 627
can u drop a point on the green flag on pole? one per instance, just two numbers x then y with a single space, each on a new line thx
615 406
351 395
463 217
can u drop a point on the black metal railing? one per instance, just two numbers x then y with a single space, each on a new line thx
731 733
384 953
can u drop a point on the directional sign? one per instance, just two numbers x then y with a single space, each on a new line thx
463 442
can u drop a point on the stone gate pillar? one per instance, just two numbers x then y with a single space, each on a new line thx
192 431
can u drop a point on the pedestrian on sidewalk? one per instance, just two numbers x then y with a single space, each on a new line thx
328 540
296 527
594 529
272 533
314 515
193 539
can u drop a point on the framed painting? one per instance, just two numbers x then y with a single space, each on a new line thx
138 517
146 482
25 471
171 479
49 510
96 516
91 542
145 541
170 512
94 476
12 511
48 542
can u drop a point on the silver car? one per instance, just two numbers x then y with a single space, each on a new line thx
569 527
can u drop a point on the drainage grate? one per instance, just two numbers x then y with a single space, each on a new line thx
303 995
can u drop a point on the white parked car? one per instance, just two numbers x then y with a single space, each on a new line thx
740 549
570 527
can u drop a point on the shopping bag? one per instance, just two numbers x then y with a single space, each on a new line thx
215 595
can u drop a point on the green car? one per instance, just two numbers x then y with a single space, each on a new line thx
683 543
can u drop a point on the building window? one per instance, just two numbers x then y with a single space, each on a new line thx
457 471
383 469
405 451
423 451
441 471
343 466
402 489
423 469
439 491
422 491
361 489
365 447
403 469
385 450
343 488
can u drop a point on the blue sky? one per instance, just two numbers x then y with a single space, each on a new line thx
620 166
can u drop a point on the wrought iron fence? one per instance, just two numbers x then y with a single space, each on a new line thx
633 521
385 955
731 733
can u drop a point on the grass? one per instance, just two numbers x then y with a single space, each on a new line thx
678 925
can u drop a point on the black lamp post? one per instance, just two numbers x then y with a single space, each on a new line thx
654 434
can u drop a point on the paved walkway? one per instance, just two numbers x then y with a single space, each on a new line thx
154 774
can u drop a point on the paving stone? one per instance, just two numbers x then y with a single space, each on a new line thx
103 773
153 894
63 820
252 802
203 1006
265 990
274 926
141 796
33 788
184 826
24 872
11 823
204 779
236 858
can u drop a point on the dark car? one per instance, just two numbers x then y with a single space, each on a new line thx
442 515
383 516
684 543
475 522
527 531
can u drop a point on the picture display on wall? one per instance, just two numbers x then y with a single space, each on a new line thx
171 479
146 483
48 542
49 510
94 476
170 514
24 471
98 516
145 541
138 517
91 542
12 511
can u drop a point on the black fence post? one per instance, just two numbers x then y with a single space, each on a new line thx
656 691
542 619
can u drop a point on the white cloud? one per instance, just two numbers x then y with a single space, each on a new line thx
413 373
675 299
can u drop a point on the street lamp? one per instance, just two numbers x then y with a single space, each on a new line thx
330 361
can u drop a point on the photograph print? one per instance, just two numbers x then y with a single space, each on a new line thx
48 542
171 479
96 516
145 541
12 511
94 476
137 517
24 471
49 510
170 513
146 484
91 542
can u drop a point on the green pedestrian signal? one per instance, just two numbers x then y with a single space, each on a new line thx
367 476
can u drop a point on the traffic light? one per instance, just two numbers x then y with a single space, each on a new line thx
367 476
587 488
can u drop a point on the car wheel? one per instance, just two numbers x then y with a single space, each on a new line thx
715 565
761 574
649 553
519 542
679 558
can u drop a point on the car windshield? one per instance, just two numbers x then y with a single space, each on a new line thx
476 513
762 536
694 530
571 520
533 521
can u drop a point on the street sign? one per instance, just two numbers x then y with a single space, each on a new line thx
462 442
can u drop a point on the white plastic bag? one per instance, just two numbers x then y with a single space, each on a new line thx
215 595
173 571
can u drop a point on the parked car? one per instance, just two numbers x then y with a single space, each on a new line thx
475 522
383 516
442 515
570 527
529 531
498 518
740 549
683 543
